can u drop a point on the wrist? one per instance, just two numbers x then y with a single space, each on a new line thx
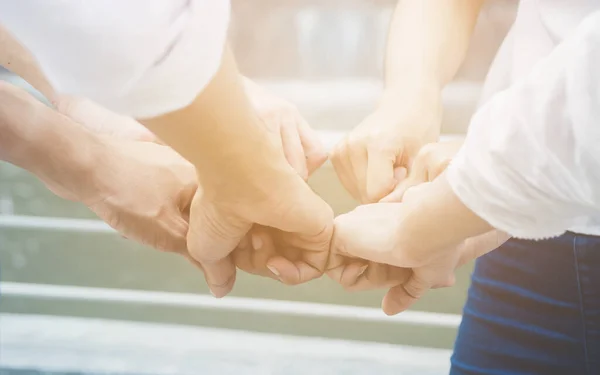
256 166
415 112
36 138
66 161
421 91
438 221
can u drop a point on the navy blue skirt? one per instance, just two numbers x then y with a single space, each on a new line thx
533 308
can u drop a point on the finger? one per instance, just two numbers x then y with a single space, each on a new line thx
343 169
313 147
292 146
401 297
348 274
242 255
400 173
417 175
264 249
437 169
380 173
474 247
367 233
302 258
211 238
292 272
174 238
358 160
379 276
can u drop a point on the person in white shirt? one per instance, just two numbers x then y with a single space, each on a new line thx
167 64
145 59
529 167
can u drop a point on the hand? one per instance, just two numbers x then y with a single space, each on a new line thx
376 155
301 145
245 178
441 272
141 189
290 238
431 160
265 251
291 259
398 234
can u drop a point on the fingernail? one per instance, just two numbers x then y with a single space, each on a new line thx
362 270
217 294
257 242
274 270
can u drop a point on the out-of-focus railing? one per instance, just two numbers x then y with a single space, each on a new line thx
327 39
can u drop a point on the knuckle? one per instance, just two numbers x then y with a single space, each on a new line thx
317 157
416 287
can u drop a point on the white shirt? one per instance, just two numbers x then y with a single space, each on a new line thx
531 162
141 58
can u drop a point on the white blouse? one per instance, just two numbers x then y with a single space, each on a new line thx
531 162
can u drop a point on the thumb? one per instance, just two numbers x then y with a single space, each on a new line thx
401 297
380 174
212 236
416 176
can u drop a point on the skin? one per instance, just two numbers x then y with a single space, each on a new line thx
108 174
423 230
427 43
230 139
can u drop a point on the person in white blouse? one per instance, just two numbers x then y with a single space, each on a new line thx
529 167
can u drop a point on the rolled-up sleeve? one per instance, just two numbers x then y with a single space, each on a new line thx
141 58
530 165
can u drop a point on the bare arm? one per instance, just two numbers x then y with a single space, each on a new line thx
56 150
221 134
427 43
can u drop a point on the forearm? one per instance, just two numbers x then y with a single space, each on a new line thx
220 131
427 42
47 144
530 162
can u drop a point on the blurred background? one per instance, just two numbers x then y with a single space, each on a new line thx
76 298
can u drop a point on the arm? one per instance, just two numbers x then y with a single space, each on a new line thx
427 43
162 73
60 153
15 57
172 73
109 175
222 143
529 167
530 161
